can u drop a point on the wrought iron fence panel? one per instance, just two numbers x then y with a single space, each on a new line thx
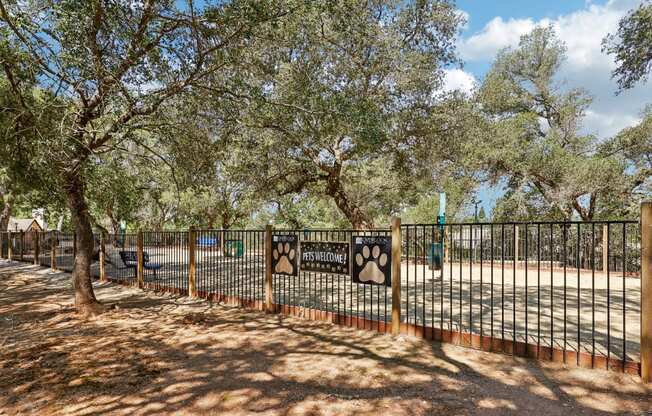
572 287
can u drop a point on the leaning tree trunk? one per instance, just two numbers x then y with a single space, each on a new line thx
358 219
85 301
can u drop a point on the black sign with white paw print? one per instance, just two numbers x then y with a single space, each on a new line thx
372 260
284 254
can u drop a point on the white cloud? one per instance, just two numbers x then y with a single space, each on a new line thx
607 124
586 66
583 31
496 35
458 79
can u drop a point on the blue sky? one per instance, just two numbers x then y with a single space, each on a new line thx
581 24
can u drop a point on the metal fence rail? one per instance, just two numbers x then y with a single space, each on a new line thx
17 246
65 251
4 244
116 268
28 245
45 248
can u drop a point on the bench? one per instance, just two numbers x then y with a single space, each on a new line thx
130 260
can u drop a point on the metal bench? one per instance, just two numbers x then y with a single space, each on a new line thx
130 260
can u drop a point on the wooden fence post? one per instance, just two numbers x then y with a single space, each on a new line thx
102 259
269 283
53 251
10 246
646 291
140 269
605 248
192 271
2 241
396 275
37 249
22 245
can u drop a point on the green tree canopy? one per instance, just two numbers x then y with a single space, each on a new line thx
631 46
536 142
111 67
345 86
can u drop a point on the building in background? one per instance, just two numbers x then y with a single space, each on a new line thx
36 223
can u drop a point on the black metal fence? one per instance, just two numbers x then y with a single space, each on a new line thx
45 247
166 261
4 245
230 265
65 251
567 287
560 289
116 267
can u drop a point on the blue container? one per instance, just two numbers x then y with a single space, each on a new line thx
207 242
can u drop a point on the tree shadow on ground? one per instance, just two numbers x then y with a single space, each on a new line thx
147 358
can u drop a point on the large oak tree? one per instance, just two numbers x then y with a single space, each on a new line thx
113 65
345 88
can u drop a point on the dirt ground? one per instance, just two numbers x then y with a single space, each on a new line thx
158 354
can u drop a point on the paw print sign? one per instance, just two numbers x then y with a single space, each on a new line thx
284 254
372 260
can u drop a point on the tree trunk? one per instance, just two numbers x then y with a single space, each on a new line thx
353 213
115 224
85 301
586 214
5 214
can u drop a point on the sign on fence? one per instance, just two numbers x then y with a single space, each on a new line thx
372 260
325 257
284 254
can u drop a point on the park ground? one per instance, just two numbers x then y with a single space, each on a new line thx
160 354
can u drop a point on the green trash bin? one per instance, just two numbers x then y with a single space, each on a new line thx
435 255
233 248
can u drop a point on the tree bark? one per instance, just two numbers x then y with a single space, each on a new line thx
6 213
225 226
115 224
85 301
586 214
359 220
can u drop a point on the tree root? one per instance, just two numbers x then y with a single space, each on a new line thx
90 309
